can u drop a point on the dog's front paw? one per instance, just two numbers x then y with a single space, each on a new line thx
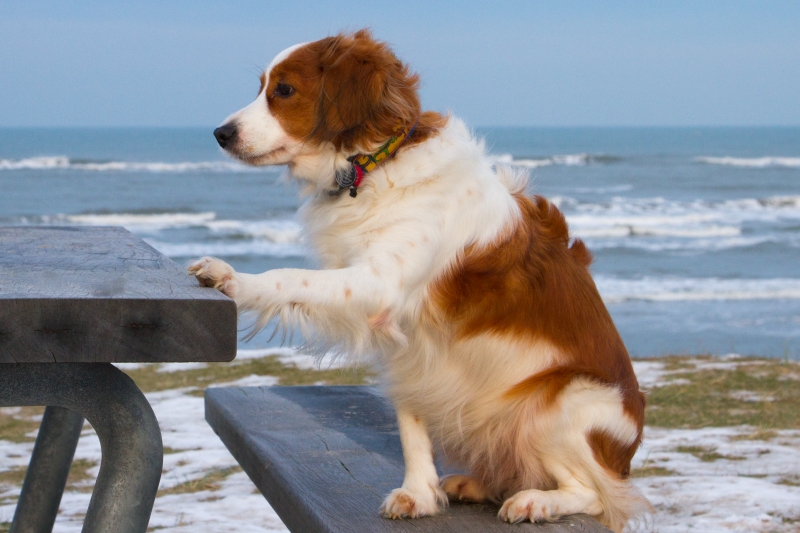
213 272
403 503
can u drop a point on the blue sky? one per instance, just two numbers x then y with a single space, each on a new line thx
526 63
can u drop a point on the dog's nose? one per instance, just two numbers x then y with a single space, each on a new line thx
224 134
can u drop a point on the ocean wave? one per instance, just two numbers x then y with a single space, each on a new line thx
657 224
570 160
280 231
277 231
65 163
752 162
139 221
651 229
616 290
688 245
258 248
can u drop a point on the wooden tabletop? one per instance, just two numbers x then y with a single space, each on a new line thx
325 457
100 294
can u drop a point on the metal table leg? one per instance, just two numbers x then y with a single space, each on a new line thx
130 438
48 470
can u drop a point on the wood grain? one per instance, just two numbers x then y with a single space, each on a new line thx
325 457
97 294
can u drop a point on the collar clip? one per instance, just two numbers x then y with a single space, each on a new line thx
360 164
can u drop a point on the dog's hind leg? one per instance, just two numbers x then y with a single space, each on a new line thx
420 494
464 488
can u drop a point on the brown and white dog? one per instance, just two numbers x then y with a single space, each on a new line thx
491 338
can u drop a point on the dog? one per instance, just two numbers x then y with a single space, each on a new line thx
491 338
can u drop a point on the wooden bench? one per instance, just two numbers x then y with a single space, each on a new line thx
325 457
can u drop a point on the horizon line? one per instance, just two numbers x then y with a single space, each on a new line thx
482 126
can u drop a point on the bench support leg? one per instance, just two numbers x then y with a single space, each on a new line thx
130 438
47 472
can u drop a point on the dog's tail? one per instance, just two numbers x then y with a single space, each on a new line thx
625 509
514 178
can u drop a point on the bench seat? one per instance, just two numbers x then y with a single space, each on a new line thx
325 457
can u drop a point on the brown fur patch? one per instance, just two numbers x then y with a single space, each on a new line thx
548 384
612 454
263 79
350 90
532 283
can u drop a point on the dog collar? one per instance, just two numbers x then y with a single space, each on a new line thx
360 164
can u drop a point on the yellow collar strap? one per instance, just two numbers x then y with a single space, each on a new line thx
361 164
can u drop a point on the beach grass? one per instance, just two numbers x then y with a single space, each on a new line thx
16 423
707 392
149 378
650 471
211 481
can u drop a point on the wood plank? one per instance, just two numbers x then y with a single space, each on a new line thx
95 294
325 457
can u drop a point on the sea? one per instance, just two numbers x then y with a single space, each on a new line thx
695 231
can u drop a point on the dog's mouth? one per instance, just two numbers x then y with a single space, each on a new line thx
265 158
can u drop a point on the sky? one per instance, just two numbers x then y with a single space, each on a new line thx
502 63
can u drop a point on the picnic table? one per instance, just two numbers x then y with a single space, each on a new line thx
73 301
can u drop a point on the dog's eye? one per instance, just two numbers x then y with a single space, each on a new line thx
283 90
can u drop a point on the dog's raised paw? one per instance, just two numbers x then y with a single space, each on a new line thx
213 272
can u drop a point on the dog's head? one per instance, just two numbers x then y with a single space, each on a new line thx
346 93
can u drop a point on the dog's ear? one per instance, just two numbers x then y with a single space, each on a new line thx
365 91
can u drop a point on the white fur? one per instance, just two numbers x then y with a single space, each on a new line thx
380 253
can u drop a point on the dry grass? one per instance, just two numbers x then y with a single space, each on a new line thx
706 401
168 450
211 481
760 434
651 471
79 476
15 427
707 455
15 476
148 378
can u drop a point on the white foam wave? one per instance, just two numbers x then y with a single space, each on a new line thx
752 162
615 290
560 160
44 163
278 231
591 227
604 190
660 224
62 162
687 245
259 248
143 222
